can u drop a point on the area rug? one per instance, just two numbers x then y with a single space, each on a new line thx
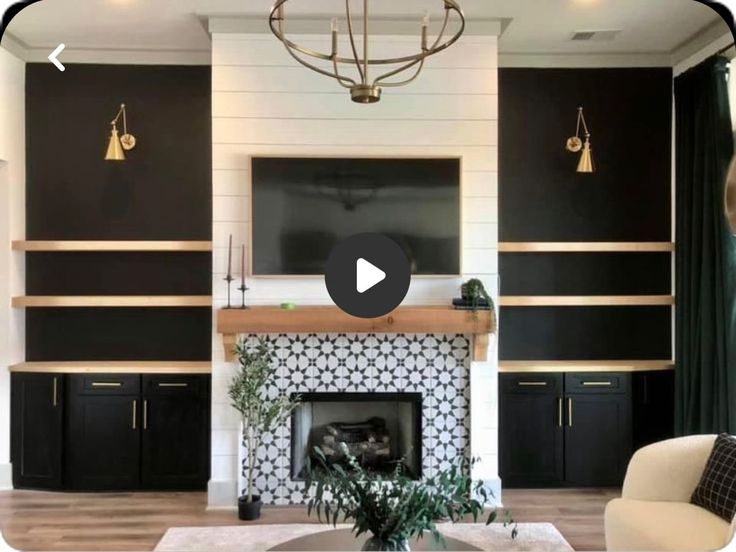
543 537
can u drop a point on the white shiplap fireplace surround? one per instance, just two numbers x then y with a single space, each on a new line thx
263 103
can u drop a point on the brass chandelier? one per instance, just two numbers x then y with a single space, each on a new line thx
365 88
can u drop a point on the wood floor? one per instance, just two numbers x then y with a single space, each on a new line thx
136 521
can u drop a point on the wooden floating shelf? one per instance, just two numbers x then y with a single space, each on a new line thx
114 367
330 319
585 300
586 247
514 366
135 245
63 301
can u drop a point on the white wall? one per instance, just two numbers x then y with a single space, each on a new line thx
264 103
12 226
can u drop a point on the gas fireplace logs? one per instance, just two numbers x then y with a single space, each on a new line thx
368 441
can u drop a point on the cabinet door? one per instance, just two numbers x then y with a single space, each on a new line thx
653 407
530 430
597 429
103 429
36 413
175 453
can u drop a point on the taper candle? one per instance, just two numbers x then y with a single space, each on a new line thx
230 257
242 267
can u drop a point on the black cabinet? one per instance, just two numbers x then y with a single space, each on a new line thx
176 429
531 443
36 420
104 432
571 429
653 406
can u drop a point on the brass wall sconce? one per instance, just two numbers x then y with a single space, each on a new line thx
730 197
119 144
575 144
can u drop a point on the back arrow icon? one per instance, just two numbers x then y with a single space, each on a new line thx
53 55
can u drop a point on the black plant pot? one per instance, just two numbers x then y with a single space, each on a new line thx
248 511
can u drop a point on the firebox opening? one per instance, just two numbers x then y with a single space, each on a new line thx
380 430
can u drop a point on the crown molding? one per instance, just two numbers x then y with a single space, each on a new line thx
578 61
15 46
701 46
395 26
123 57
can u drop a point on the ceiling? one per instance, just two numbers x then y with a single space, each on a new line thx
530 26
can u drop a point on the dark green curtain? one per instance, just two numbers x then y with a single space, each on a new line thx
705 273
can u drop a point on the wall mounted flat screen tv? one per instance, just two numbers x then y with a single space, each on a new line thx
302 207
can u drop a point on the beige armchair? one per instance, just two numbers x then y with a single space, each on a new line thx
654 511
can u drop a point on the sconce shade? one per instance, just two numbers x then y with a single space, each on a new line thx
114 148
585 165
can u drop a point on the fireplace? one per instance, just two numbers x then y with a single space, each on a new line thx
379 429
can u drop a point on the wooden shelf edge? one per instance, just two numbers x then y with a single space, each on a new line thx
585 300
531 366
66 301
114 245
586 247
330 319
112 367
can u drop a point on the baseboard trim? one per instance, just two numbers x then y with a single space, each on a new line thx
494 485
222 495
6 477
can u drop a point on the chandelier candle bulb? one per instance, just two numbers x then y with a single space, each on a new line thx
280 18
425 27
334 29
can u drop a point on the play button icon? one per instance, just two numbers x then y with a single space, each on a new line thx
367 275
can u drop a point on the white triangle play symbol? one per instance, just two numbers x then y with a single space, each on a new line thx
367 275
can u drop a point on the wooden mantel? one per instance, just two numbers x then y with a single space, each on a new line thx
330 319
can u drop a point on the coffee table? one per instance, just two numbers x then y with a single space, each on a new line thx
343 539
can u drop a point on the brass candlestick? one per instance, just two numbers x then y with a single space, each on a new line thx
228 279
243 288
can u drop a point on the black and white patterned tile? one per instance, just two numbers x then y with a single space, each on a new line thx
435 365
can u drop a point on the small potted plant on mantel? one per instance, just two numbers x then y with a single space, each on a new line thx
259 414
474 295
395 509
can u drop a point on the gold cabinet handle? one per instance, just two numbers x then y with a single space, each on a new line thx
135 408
569 412
173 385
559 411
56 389
532 383
145 414
106 384
597 383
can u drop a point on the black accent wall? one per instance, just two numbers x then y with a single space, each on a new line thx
543 199
162 191
629 114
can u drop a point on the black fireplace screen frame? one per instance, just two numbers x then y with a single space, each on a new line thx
415 399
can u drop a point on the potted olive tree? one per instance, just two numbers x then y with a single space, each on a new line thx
259 414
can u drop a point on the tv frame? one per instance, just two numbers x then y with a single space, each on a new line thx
461 186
